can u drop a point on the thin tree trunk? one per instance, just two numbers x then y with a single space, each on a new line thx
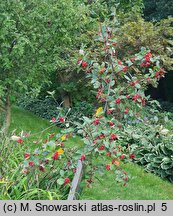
7 119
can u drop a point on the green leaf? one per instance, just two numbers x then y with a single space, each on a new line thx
127 78
129 63
62 173
156 119
166 166
60 181
138 86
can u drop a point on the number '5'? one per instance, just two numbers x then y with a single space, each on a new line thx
164 207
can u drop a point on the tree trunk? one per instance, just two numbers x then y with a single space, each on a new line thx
67 103
7 119
66 96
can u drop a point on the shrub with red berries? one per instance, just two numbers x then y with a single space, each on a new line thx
120 85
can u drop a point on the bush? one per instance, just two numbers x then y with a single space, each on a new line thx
47 108
152 143
166 106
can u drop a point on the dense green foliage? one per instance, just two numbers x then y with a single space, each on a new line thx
43 34
28 35
158 9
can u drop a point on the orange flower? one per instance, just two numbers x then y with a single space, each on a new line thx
116 162
102 70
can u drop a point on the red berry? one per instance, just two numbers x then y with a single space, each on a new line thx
31 163
41 168
53 119
96 122
126 111
108 154
118 101
107 80
119 62
107 166
55 156
122 156
66 181
102 147
113 137
125 68
20 140
84 64
83 157
111 123
27 155
126 179
62 120
132 156
24 170
109 111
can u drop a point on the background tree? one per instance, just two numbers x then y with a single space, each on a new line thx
158 9
36 38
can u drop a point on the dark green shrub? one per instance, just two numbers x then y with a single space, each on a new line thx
47 108
166 106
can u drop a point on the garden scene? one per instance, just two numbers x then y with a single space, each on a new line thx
86 100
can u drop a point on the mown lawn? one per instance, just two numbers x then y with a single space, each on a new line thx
141 186
23 120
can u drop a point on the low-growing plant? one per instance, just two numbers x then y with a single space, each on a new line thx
48 107
152 143
44 108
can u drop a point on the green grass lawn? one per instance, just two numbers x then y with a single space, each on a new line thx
142 185
26 121
23 120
